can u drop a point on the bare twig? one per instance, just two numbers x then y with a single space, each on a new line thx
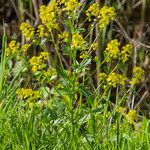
83 2
144 96
32 17
35 6
132 41
15 9
137 4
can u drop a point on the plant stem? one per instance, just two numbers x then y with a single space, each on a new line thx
3 61
98 52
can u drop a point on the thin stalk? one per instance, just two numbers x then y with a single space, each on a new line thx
36 12
72 95
98 51
72 98
118 117
118 123
3 61
15 9
21 10
143 10
57 50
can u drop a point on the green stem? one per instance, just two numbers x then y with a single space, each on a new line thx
3 61
118 117
57 50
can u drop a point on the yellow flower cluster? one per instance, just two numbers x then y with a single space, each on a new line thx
114 79
121 110
13 48
112 49
138 74
94 46
107 14
64 36
51 72
78 42
25 47
61 2
126 52
84 54
47 76
48 15
71 5
132 116
93 11
29 95
102 76
41 31
27 30
38 62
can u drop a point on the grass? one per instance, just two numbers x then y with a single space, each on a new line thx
52 128
3 58
49 98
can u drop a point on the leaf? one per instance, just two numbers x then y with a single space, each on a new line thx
3 61
98 110
67 50
45 91
81 30
19 67
83 64
43 41
87 94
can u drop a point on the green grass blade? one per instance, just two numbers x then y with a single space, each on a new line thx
3 59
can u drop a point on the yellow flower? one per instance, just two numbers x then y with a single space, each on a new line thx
29 95
126 52
122 79
44 55
50 73
102 76
121 110
138 74
107 14
60 2
64 36
114 79
48 15
38 62
46 76
112 50
132 116
27 30
13 48
84 54
93 11
25 47
41 31
25 94
71 5
78 42
94 46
